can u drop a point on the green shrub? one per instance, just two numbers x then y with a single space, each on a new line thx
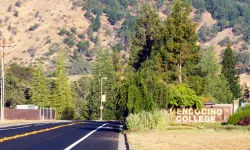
69 41
158 119
82 46
34 27
68 113
18 4
246 107
207 33
96 24
73 30
37 13
81 36
238 116
88 16
224 42
9 8
16 13
62 31
198 17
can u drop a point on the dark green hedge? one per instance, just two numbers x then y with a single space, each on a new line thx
238 116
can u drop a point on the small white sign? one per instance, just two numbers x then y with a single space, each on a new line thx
26 107
101 107
103 99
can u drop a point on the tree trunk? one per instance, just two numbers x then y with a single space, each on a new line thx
180 69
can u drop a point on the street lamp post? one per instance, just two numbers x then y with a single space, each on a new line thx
101 108
2 80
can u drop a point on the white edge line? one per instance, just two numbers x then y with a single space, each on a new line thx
83 138
14 128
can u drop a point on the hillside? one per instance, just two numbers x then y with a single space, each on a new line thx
30 45
37 30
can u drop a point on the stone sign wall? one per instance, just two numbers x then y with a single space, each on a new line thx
208 114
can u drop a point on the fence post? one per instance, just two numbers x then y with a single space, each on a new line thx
50 111
43 113
55 114
40 113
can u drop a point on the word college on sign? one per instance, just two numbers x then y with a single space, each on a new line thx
203 115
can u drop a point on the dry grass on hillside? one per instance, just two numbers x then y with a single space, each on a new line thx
52 16
245 79
221 36
207 19
189 139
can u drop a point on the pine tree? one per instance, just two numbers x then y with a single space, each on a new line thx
230 72
148 28
62 92
39 88
180 38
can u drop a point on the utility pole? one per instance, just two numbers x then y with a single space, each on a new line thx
101 107
2 79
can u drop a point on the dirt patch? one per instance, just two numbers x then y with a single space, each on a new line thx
189 139
245 78
207 19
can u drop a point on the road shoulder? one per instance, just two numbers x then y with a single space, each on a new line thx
121 143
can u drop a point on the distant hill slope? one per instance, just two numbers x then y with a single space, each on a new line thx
49 16
32 27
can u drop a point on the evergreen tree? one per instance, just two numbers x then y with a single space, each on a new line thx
145 65
103 67
218 88
15 90
210 83
208 64
230 72
96 25
39 89
180 38
148 28
80 91
62 92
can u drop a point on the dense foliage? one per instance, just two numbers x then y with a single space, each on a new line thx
230 72
157 119
39 88
238 116
244 122
246 107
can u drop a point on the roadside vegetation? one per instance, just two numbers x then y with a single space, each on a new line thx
166 69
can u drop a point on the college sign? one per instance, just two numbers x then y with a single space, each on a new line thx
204 115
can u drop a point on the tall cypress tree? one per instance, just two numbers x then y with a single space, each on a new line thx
39 89
62 91
230 72
180 38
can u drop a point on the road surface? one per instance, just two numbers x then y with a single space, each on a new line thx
61 136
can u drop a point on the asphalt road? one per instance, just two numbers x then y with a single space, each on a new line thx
79 136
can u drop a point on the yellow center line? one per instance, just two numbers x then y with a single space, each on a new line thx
34 132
